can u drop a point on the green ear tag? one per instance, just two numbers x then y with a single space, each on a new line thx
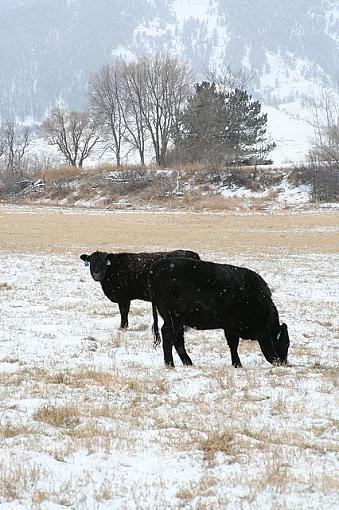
108 263
86 263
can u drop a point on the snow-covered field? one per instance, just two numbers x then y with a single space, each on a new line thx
91 419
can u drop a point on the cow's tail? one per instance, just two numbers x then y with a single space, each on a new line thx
155 327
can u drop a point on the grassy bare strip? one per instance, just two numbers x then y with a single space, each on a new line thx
50 231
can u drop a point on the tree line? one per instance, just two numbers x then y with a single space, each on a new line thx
149 105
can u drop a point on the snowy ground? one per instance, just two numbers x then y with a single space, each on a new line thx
91 419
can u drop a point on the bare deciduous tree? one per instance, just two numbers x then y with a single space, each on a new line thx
14 141
325 146
106 105
166 87
133 90
226 79
140 100
74 134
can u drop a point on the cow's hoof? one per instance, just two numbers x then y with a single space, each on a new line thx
187 362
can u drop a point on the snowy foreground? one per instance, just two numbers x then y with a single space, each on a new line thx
91 419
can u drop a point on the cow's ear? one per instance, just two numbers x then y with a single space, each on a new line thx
85 258
110 259
283 334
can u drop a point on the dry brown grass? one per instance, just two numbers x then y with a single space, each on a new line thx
262 203
10 429
218 442
22 376
192 168
5 286
59 174
16 479
10 359
104 491
279 406
93 436
58 416
204 487
55 231
274 474
214 203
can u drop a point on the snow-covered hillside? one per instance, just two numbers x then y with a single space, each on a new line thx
292 134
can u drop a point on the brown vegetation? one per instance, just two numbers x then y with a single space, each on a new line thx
58 230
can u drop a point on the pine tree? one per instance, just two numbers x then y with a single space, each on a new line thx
200 135
222 127
246 127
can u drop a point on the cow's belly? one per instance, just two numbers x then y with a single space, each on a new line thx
200 318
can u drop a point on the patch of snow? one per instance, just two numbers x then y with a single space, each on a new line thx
292 136
294 195
286 193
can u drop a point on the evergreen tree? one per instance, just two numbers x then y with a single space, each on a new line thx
200 135
222 127
245 127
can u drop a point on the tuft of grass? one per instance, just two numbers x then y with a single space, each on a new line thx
104 492
63 416
202 488
217 442
9 429
17 479
217 203
279 406
60 174
5 286
10 359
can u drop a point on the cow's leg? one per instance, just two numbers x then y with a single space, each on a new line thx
124 309
233 343
267 347
167 344
179 345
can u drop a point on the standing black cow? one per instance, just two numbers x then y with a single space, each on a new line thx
204 295
124 276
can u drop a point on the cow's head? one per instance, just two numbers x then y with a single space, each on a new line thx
282 343
98 262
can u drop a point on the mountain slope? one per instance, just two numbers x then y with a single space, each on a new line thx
49 49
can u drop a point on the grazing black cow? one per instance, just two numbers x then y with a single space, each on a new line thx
124 276
204 295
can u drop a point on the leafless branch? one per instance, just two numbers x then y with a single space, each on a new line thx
75 134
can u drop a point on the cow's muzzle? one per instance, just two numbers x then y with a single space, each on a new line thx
96 277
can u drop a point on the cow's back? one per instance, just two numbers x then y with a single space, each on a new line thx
206 295
128 276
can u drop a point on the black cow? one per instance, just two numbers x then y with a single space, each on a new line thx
124 276
204 295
